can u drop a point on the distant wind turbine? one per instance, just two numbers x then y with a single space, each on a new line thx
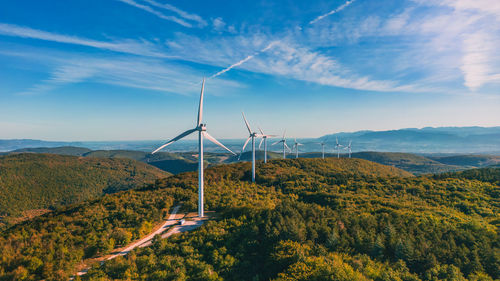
296 147
264 139
202 132
252 136
349 148
283 140
323 143
338 146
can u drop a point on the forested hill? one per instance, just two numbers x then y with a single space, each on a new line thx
40 181
304 219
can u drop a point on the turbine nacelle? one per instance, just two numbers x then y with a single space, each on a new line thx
202 128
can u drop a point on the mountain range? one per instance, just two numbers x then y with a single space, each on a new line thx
458 140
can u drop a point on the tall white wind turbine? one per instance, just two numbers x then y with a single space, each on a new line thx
202 132
252 136
296 147
283 140
264 139
338 146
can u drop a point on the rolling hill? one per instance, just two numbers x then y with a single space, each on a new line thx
473 161
409 162
61 150
259 155
304 219
31 181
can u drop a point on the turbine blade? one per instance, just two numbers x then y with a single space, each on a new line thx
284 133
260 144
245 145
288 147
212 139
277 142
261 131
188 132
246 123
200 108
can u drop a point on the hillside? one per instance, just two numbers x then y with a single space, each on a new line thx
305 219
259 155
41 181
62 150
490 174
475 161
409 162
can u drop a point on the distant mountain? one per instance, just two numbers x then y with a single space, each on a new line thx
457 140
62 150
39 181
9 145
425 140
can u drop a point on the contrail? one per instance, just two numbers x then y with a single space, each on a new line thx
332 12
243 60
340 8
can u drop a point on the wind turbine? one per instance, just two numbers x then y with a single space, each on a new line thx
296 146
338 146
264 139
323 143
202 132
252 136
283 140
349 148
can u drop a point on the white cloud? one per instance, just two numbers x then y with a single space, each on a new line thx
480 50
156 13
340 8
491 7
142 48
181 13
133 72
218 24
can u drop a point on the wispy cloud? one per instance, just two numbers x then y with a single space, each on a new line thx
244 60
270 45
340 8
133 72
156 13
181 13
480 50
142 48
184 15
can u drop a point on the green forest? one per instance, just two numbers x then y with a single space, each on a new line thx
31 181
303 219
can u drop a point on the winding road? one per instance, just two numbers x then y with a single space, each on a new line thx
147 240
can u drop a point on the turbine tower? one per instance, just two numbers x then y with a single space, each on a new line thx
283 140
349 148
264 139
338 146
252 136
202 132
323 143
296 147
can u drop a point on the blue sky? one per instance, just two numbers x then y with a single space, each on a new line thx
131 69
